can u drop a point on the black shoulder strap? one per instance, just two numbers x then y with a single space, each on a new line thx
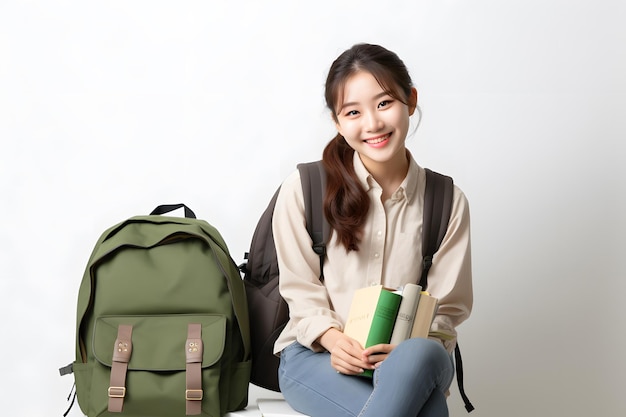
459 378
437 210
313 179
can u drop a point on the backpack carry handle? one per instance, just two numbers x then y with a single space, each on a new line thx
166 208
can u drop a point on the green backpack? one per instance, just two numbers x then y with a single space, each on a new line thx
162 322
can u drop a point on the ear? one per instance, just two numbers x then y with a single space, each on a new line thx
412 101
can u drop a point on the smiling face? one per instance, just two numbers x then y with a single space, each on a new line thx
373 122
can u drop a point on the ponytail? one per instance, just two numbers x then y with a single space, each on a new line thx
346 203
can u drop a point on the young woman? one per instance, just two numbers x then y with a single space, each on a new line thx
373 203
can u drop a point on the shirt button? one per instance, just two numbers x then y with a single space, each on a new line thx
379 234
376 255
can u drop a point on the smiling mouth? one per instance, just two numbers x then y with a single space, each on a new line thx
377 140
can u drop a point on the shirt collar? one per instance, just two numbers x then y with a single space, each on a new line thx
407 187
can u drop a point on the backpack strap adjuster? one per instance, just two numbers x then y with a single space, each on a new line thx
117 392
193 353
194 395
122 351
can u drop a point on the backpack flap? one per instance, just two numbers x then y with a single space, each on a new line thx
159 341
156 378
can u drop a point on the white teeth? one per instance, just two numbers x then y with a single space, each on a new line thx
375 141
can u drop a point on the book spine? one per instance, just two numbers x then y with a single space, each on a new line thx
383 321
406 313
426 310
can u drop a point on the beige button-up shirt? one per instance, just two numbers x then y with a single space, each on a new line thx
389 254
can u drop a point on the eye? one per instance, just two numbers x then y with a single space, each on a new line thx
384 103
352 113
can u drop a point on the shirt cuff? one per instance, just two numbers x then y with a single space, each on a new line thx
308 331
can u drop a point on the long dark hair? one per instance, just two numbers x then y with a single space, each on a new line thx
346 203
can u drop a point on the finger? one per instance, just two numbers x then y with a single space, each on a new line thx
377 349
351 352
348 370
377 358
346 362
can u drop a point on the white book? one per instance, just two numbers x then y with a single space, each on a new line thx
406 314
273 407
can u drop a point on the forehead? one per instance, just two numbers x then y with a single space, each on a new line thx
361 85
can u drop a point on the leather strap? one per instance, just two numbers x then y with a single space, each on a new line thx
122 351
193 352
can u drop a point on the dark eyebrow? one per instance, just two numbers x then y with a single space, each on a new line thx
352 103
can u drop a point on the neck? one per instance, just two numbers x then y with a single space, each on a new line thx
390 174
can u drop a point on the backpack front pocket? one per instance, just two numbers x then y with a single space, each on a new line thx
156 372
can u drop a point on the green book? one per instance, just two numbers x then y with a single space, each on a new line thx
372 316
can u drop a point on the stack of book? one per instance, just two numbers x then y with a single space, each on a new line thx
382 315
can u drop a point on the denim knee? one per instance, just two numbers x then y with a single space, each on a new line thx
421 359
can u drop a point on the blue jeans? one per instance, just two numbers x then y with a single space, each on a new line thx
411 382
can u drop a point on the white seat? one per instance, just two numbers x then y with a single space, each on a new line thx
251 411
273 403
273 407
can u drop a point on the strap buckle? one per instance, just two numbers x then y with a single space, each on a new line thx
194 395
117 392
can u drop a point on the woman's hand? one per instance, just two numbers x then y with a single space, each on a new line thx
346 354
376 354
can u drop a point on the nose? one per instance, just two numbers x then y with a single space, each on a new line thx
372 122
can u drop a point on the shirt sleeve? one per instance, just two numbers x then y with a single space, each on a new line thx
310 310
450 277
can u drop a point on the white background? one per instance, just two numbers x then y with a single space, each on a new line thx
108 109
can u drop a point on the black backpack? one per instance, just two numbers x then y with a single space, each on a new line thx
269 312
